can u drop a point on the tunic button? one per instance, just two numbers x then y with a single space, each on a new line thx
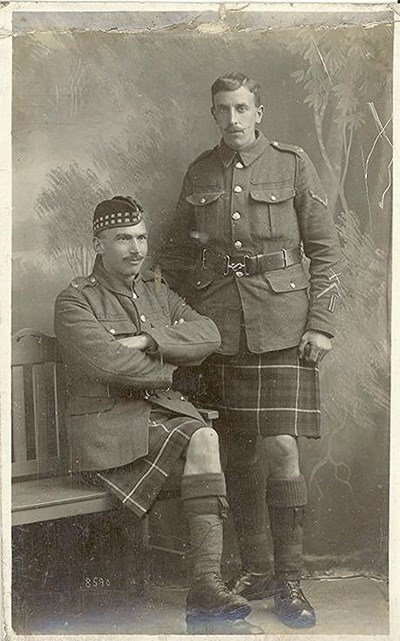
92 280
239 165
237 244
134 295
273 197
237 189
236 215
202 200
239 274
292 285
112 331
143 318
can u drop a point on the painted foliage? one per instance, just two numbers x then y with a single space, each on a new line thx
99 113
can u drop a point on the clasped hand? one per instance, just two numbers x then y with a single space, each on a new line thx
140 342
314 345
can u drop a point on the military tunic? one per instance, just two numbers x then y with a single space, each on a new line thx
111 387
263 200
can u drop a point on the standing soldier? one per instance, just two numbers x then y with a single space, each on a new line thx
123 332
254 209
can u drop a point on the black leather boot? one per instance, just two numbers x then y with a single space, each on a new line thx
253 585
210 596
291 605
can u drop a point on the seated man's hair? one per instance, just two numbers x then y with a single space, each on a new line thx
234 80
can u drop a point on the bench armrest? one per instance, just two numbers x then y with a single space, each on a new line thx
208 414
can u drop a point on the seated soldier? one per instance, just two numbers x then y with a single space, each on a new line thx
123 332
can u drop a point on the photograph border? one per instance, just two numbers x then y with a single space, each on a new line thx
6 12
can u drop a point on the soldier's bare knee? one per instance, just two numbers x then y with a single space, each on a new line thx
281 448
202 454
204 439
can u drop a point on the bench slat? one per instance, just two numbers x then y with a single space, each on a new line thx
52 498
18 417
40 400
59 406
62 511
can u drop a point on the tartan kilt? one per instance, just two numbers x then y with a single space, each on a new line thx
138 484
267 394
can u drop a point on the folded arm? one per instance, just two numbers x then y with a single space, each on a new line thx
89 346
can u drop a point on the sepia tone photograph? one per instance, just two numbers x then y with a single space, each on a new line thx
199 429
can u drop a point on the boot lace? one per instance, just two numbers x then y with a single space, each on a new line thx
294 590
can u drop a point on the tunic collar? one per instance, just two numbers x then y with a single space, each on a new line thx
247 156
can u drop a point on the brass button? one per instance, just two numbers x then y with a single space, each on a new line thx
202 200
275 144
143 318
93 280
237 189
292 285
239 165
134 295
238 244
236 215
239 274
112 331
273 197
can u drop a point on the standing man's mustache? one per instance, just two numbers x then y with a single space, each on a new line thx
235 130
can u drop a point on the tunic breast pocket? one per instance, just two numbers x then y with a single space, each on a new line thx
208 209
274 213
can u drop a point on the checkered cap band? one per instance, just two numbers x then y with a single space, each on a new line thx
120 211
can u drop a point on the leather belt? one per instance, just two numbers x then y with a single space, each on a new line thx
120 392
250 265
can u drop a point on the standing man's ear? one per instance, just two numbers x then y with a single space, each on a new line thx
98 245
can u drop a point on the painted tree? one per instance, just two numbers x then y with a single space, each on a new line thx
345 73
66 207
346 77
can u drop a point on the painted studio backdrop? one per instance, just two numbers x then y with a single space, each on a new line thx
107 104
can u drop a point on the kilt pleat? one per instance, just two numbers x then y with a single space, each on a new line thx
268 394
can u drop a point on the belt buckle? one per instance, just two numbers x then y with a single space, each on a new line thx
153 392
239 268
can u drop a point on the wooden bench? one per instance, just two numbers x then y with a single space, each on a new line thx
43 488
